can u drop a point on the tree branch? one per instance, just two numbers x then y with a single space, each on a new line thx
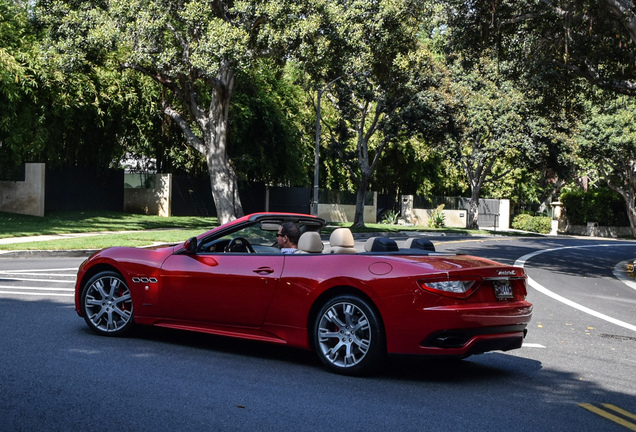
623 10
193 141
626 87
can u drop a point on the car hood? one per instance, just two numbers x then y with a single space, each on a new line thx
149 255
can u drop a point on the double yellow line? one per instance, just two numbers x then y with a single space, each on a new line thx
613 413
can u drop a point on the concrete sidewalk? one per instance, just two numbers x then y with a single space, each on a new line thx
13 240
49 253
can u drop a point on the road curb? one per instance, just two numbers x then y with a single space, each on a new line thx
82 253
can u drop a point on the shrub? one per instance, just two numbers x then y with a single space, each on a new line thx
537 224
437 219
390 217
600 205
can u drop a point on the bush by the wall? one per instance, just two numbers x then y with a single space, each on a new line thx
537 224
598 205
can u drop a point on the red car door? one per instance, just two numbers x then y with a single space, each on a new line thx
232 289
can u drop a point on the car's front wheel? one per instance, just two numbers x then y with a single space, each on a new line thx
106 304
348 335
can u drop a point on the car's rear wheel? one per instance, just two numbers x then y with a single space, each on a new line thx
348 335
106 304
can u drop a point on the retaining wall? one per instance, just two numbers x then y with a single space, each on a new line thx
25 197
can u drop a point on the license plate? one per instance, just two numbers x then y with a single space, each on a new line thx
503 289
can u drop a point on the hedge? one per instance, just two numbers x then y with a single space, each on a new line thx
599 205
537 224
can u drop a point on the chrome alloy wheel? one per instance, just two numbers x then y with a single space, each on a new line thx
107 304
344 335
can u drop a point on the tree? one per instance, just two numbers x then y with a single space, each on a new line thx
608 143
193 48
268 142
378 77
488 127
18 86
552 43
560 50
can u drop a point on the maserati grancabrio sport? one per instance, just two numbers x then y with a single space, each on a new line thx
352 306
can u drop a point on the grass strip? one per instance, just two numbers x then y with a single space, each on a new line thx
134 239
15 225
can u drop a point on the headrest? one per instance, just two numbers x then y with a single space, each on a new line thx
310 242
380 244
419 243
341 237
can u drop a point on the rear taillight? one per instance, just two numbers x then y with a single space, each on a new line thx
449 288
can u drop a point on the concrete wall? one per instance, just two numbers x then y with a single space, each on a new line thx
346 213
592 229
25 197
452 218
504 214
153 201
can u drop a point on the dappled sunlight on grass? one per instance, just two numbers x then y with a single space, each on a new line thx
135 239
14 225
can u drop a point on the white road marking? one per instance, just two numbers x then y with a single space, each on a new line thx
521 262
36 288
36 276
39 294
37 272
532 345
35 280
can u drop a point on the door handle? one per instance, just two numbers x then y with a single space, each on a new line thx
264 270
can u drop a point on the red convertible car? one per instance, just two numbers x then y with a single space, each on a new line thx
352 307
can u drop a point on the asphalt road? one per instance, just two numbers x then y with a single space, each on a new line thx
579 356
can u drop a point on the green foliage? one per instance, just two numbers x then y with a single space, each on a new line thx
414 167
489 128
376 78
437 219
537 224
19 111
266 138
607 141
597 205
390 217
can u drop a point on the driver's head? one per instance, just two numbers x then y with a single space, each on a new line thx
288 235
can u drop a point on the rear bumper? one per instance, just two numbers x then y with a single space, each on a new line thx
459 330
465 342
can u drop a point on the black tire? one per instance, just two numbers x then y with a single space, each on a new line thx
349 337
106 304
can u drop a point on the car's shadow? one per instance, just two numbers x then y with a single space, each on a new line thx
477 368
489 366
227 345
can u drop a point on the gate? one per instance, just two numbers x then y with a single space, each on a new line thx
488 213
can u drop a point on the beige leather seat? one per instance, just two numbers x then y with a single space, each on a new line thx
341 241
310 242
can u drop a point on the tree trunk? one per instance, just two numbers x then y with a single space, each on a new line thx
629 197
214 125
473 210
631 212
224 185
223 179
358 220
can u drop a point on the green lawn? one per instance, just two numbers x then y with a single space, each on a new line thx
135 239
146 230
15 225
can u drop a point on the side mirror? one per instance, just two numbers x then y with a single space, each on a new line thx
191 245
